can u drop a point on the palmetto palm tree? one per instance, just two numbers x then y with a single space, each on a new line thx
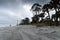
41 15
35 19
25 21
54 16
36 8
46 9
56 5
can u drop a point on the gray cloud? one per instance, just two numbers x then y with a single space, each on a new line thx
36 1
14 9
15 2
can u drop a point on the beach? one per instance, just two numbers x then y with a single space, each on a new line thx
29 32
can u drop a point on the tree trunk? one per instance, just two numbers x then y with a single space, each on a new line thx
48 15
56 18
36 13
49 19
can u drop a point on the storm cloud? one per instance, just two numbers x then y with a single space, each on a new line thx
11 10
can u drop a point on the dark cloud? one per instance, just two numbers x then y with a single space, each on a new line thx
23 1
15 3
16 7
36 1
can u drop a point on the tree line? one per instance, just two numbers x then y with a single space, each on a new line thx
40 11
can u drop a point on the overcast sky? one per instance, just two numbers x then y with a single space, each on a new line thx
11 10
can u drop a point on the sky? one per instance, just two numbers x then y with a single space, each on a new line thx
13 10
